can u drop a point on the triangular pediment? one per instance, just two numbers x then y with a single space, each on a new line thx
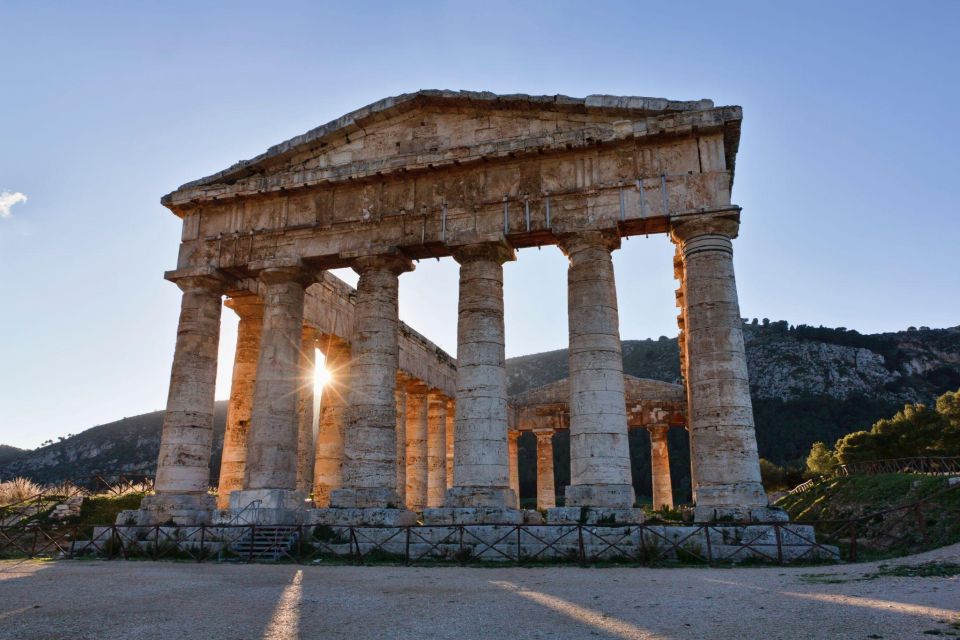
433 128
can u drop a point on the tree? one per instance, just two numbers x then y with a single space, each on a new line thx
822 461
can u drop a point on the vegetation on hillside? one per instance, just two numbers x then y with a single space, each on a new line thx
917 430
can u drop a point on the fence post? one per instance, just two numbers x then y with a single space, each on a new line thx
779 534
581 551
706 533
462 560
406 545
253 536
203 539
519 562
921 524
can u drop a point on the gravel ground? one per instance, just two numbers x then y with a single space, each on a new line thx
167 600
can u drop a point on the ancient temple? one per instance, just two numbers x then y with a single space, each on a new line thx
405 430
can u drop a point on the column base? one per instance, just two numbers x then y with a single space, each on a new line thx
341 517
739 514
594 515
480 497
605 496
472 515
175 508
265 506
365 498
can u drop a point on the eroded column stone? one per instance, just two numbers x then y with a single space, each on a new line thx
401 395
370 446
481 464
546 490
513 450
451 417
417 428
436 448
723 439
599 447
272 444
305 440
660 467
328 461
183 466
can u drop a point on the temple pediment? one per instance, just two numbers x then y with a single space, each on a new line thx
432 129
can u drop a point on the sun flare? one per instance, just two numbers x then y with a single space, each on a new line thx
321 376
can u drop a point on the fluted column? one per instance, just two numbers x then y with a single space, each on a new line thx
599 447
305 439
272 444
546 490
723 439
328 461
481 466
240 406
660 467
513 451
417 428
183 466
451 417
436 448
370 447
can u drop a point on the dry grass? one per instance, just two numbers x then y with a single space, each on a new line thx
13 491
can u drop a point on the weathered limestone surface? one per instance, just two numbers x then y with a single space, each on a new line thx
274 425
599 449
240 406
417 428
481 466
436 448
370 443
333 413
660 465
546 490
721 418
305 439
513 450
451 418
183 467
401 396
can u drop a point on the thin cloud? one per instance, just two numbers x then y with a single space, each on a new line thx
8 199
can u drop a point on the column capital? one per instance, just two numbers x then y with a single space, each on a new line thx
246 306
687 229
396 263
416 386
498 252
543 434
571 243
513 434
203 278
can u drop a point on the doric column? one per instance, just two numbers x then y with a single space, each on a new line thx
370 447
183 466
660 467
599 447
451 417
271 469
305 440
546 490
436 448
417 428
401 395
513 451
723 440
328 460
678 273
234 457
481 467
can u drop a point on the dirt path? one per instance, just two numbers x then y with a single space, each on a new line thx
166 600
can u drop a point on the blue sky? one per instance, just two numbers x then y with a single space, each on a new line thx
846 172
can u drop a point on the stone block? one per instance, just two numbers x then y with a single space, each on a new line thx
594 515
472 515
368 516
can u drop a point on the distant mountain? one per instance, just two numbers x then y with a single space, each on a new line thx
808 384
8 453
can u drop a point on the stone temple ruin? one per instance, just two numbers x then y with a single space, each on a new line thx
406 432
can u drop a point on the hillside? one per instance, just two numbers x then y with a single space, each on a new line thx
808 384
8 453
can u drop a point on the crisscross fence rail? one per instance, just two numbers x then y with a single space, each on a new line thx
927 524
927 465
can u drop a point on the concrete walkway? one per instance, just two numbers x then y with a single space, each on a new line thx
166 600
